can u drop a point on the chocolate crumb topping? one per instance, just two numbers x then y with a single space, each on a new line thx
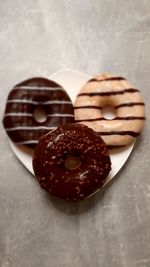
74 161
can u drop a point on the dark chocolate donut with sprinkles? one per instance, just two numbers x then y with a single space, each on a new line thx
72 162
25 98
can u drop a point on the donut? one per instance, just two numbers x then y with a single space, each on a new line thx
117 92
24 99
72 162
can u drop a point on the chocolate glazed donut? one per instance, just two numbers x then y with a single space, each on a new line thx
72 162
19 120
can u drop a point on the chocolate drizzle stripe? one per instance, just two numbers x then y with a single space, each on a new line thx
51 102
132 133
130 104
129 90
30 128
107 79
90 107
116 118
115 146
23 87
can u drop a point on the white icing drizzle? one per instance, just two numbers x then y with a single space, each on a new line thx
18 114
39 88
22 101
27 142
51 102
21 114
60 115
29 128
57 102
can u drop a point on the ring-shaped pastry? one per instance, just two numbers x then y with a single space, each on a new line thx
19 119
117 92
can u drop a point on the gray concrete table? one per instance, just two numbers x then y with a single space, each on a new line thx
111 229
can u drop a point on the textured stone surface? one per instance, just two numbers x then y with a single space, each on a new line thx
111 229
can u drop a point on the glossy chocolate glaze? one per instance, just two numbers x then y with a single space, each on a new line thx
19 121
76 140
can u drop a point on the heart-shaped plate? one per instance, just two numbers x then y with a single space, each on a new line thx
72 81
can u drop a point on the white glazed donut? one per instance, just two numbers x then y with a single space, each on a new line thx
117 92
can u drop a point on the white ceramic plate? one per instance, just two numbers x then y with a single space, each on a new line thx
72 81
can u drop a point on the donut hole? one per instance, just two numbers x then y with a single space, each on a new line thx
39 114
109 112
72 162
